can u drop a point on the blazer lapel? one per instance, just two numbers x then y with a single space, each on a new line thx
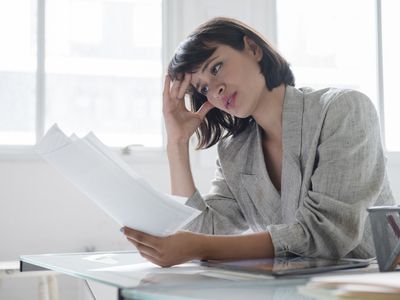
292 122
257 186
249 179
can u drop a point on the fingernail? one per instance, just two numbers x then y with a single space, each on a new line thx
121 229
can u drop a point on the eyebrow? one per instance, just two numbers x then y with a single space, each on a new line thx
204 68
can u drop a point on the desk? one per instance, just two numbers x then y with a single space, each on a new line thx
48 288
135 278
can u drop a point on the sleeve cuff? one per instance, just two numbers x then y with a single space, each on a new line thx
287 239
196 201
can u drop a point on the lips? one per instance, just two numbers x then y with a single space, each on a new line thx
230 101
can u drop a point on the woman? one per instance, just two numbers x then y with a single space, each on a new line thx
298 167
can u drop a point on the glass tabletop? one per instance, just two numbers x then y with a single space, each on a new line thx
277 289
121 269
139 279
125 269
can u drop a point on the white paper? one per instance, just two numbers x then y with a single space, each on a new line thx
107 180
150 267
385 280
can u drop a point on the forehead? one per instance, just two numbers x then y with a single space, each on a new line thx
220 51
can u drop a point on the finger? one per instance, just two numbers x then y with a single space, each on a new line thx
175 88
142 238
167 86
149 257
152 259
157 261
143 248
166 92
204 109
184 86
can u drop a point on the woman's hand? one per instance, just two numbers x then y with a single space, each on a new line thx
180 122
185 245
165 251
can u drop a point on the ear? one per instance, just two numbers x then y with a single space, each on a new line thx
253 48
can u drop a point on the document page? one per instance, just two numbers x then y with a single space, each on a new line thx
110 182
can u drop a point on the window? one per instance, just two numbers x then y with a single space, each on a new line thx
330 43
336 43
102 67
102 62
391 68
17 71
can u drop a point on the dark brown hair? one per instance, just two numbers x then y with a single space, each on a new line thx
199 46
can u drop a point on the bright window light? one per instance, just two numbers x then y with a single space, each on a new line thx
331 45
391 67
103 64
17 72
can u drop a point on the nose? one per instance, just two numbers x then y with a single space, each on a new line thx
219 91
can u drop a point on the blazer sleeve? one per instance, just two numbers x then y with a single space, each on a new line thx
348 178
221 213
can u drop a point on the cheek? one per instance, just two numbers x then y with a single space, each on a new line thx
241 75
254 84
252 73
217 103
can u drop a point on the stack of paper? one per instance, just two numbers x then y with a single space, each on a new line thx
107 180
360 286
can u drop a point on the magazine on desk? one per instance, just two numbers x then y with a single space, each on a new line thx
109 181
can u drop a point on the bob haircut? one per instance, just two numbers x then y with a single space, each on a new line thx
198 47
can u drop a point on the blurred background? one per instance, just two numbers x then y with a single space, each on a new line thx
98 65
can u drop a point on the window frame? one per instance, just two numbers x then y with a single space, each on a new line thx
136 154
171 35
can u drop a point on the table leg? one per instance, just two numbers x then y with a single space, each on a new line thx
52 285
43 288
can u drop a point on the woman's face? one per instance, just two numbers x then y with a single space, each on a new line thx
231 79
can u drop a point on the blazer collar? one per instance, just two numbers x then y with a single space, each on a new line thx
255 179
257 185
252 158
247 164
292 123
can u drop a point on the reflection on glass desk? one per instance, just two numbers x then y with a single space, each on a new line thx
273 289
135 278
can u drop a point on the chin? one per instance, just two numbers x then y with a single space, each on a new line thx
241 115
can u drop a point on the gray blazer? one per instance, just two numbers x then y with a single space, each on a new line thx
333 168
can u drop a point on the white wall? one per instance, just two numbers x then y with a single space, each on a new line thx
393 171
41 212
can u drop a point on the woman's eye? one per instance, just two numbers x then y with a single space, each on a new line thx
215 68
204 90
